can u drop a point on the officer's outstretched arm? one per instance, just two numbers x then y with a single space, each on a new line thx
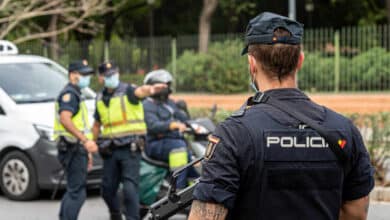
355 209
66 121
207 211
148 90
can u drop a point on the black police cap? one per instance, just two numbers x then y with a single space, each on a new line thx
260 30
108 69
80 66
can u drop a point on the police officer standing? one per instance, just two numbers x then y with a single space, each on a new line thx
119 124
264 163
73 134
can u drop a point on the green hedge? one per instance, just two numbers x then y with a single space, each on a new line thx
367 71
223 70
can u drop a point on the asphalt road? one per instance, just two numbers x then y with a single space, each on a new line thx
95 209
45 209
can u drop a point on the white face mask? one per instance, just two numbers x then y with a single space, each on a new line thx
111 81
83 81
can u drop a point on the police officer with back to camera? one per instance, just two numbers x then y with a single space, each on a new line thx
264 163
72 131
119 125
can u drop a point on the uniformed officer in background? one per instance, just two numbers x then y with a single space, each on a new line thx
72 131
262 163
119 125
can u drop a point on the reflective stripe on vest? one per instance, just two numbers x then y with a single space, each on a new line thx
121 118
80 121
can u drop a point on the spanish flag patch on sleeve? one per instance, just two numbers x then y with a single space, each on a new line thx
213 141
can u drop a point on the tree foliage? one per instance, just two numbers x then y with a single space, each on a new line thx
26 20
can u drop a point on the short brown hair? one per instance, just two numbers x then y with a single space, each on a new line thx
277 60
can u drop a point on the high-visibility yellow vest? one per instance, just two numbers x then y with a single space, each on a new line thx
80 121
120 118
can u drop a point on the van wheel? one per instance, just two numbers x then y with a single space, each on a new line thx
18 179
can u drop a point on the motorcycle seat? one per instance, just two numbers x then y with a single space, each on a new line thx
154 162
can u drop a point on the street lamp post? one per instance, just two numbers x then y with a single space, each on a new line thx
151 33
292 9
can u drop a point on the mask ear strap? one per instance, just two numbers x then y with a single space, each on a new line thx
253 83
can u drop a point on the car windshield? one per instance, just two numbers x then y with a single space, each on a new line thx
31 82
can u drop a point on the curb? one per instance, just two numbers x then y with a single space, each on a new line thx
380 194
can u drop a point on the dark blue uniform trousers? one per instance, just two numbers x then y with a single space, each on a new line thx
75 161
122 166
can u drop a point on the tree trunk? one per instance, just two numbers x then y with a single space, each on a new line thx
84 41
208 9
53 39
388 10
108 28
109 22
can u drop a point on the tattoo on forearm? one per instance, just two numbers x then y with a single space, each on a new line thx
207 211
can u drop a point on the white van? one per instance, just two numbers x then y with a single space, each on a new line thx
29 86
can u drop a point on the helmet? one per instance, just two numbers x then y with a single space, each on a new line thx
158 76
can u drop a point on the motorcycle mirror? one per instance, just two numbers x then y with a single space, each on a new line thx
182 105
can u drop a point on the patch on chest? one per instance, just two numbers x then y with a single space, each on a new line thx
213 141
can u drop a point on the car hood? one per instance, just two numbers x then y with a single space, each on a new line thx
43 113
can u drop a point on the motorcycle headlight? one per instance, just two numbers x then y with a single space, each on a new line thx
44 132
199 129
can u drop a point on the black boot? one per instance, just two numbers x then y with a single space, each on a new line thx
116 216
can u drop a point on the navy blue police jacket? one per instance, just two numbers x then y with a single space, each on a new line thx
159 115
69 99
263 164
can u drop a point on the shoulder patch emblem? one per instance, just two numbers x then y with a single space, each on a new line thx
66 97
213 141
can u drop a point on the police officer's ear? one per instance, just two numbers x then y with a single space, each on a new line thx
300 60
252 64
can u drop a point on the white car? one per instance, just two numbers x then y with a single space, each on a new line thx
29 86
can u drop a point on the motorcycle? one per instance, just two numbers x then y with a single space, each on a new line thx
155 175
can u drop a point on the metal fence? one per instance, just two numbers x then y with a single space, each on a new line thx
348 59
